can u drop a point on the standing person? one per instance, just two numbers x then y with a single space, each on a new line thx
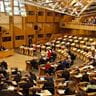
30 41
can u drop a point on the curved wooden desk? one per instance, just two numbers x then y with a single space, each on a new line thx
6 53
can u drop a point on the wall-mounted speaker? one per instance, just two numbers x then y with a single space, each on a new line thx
35 27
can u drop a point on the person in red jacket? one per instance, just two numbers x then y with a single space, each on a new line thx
48 68
49 54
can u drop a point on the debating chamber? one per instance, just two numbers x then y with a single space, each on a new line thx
47 47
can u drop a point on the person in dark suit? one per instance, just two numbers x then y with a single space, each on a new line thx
4 65
60 66
92 86
73 57
68 91
32 78
30 41
34 93
34 63
49 84
85 77
42 61
81 93
66 75
25 85
48 68
53 56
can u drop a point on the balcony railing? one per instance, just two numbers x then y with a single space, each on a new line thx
83 26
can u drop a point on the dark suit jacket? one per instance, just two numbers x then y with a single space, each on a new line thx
34 95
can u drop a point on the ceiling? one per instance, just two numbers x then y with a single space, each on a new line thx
70 7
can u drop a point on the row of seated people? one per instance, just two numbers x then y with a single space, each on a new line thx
84 46
18 83
90 20
66 75
2 48
81 77
58 47
51 65
61 67
52 61
72 76
83 50
47 87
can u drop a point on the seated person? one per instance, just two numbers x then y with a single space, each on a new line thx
25 85
32 78
34 93
66 75
73 57
49 78
4 73
63 64
17 74
93 61
92 86
81 93
4 64
53 56
48 68
85 77
49 84
34 63
42 60
2 48
70 88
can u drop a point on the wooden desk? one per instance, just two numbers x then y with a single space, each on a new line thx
6 53
92 94
45 93
41 70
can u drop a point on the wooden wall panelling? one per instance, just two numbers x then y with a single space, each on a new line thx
56 28
48 27
48 30
4 19
57 17
66 18
7 39
29 31
24 29
49 16
31 13
17 19
41 16
18 33
40 34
